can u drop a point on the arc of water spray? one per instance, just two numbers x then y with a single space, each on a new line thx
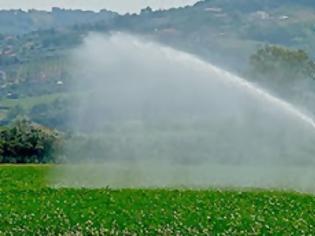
231 78
241 82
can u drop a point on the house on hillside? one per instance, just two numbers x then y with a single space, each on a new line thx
283 17
60 83
12 95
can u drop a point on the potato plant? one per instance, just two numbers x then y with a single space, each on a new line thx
28 206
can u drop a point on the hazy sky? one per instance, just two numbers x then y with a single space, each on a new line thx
121 6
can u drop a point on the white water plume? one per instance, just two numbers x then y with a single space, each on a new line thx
256 91
152 116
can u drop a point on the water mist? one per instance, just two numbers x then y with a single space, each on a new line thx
152 116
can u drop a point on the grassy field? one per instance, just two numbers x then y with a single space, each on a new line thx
29 102
29 207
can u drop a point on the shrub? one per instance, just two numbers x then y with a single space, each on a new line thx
25 142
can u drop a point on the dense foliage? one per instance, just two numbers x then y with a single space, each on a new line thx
28 207
20 22
283 64
288 73
24 142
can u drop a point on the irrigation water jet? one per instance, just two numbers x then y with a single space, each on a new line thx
153 116
264 95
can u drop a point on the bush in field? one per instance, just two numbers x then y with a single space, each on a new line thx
24 142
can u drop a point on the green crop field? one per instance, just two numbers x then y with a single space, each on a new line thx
28 206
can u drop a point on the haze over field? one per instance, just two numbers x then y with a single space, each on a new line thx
161 117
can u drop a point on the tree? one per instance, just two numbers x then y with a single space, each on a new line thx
281 64
288 73
25 142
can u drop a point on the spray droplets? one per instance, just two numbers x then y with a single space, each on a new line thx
154 117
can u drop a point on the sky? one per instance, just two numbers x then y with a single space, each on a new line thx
121 6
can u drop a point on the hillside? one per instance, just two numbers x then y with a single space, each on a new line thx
34 45
17 22
218 30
